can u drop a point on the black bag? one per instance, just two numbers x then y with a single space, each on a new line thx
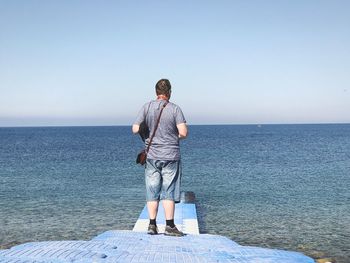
141 157
144 131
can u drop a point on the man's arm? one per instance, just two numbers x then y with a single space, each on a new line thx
140 118
182 128
135 128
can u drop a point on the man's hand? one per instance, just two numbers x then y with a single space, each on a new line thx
135 128
182 128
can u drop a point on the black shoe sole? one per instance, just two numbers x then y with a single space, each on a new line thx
173 235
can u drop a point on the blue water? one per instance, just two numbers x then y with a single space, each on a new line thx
278 186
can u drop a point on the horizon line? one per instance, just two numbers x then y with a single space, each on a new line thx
200 124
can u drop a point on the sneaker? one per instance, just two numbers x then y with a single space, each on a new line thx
173 232
152 230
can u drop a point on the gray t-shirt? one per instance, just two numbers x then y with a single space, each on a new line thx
165 144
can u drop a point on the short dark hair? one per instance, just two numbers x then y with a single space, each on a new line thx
163 87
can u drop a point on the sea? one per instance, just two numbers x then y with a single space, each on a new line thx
274 186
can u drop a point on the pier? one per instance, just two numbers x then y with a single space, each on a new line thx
137 246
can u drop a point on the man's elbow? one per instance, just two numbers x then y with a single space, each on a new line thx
135 128
182 129
183 134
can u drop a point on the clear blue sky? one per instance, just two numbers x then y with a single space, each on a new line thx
229 62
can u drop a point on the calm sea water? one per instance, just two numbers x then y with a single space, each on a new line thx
278 186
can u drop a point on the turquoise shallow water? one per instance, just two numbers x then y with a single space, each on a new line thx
280 186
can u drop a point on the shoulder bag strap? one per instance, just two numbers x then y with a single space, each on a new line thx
157 124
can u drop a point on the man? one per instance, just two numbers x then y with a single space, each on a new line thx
163 164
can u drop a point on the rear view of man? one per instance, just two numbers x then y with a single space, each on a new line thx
163 164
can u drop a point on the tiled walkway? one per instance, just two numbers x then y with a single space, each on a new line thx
137 246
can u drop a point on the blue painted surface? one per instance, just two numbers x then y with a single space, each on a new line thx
189 211
144 213
128 246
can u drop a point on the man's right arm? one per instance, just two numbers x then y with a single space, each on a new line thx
139 119
182 128
135 128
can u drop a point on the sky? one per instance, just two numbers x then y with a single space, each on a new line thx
229 62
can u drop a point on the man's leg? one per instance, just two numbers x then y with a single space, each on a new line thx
153 187
169 209
171 174
152 207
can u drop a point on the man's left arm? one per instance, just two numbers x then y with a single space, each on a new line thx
182 129
181 123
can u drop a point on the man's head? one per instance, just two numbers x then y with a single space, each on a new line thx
163 87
